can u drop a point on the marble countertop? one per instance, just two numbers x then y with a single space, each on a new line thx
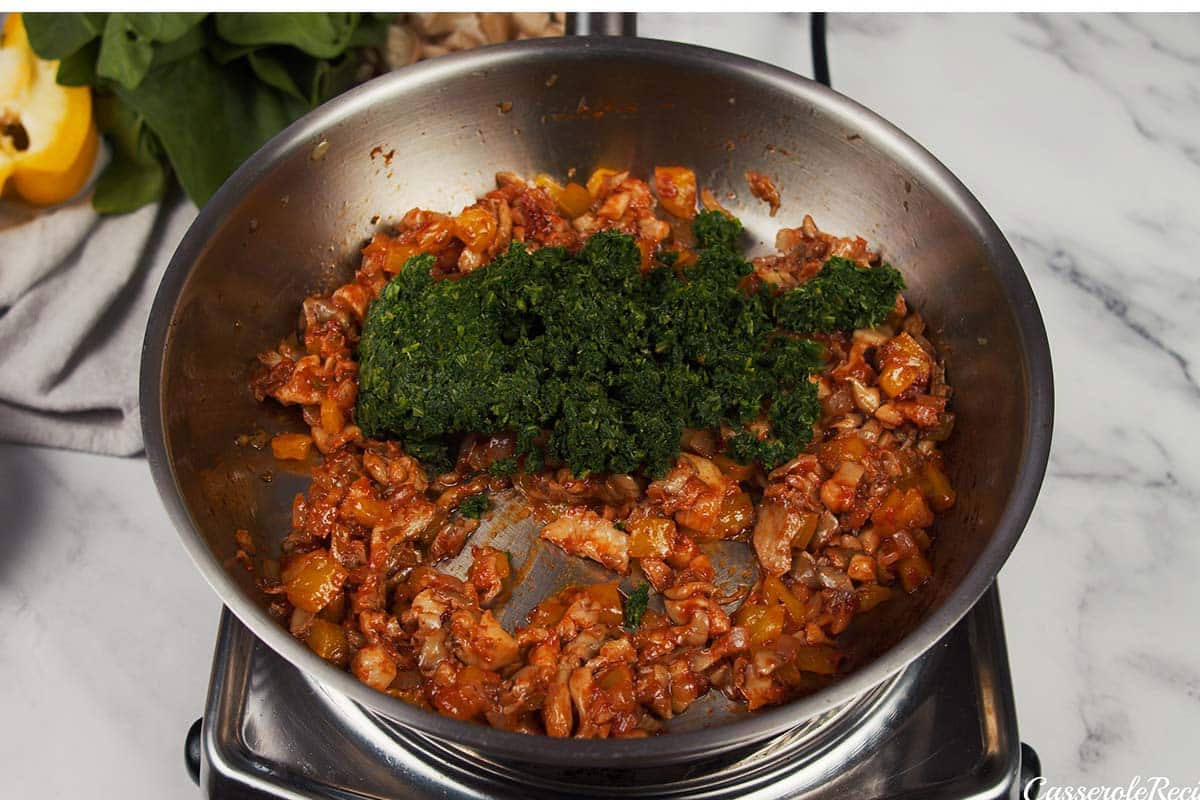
1080 135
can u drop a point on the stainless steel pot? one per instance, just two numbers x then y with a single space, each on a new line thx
291 219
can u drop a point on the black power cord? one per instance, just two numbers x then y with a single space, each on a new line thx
820 55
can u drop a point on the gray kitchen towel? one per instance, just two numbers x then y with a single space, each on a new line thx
75 294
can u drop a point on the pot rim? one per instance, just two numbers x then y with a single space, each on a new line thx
306 132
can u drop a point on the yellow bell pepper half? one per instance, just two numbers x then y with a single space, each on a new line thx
48 141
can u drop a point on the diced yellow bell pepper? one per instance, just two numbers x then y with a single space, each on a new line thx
291 446
475 227
652 537
736 515
819 658
48 141
914 571
608 600
596 182
733 470
676 189
548 185
764 623
574 200
313 580
776 591
328 641
871 595
936 487
805 530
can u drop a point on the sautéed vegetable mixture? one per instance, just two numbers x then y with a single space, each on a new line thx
605 351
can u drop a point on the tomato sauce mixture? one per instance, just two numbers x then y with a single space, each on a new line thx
838 530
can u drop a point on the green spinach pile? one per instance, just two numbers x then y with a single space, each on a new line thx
613 365
195 94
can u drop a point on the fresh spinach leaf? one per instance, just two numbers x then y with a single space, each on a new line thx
330 78
127 50
209 119
270 70
79 68
125 56
191 42
165 28
318 35
136 175
223 52
55 36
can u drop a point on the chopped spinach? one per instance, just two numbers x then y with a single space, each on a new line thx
613 365
504 467
841 297
715 228
474 506
635 606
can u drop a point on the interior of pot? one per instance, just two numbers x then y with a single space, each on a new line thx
293 219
